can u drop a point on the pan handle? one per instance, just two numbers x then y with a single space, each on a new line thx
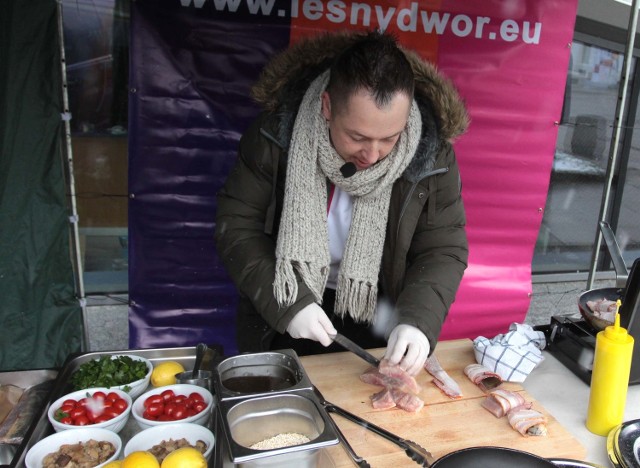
616 255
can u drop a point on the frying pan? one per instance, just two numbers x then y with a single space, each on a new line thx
612 294
503 457
495 457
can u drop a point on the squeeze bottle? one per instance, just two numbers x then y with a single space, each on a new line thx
610 378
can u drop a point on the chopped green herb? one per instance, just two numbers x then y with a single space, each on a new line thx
108 371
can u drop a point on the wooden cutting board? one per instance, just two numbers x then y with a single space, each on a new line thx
442 426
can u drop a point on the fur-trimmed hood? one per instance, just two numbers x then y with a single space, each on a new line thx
285 79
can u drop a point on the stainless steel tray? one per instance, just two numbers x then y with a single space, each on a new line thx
41 428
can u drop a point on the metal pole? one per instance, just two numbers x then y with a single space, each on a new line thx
68 152
617 131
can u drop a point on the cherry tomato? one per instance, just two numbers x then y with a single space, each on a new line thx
113 396
196 396
155 410
69 401
169 409
110 413
168 394
146 415
164 417
99 395
199 406
67 420
67 408
179 399
82 402
120 405
81 421
180 412
153 400
102 418
75 412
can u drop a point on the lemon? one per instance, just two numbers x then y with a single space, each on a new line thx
140 459
165 373
114 464
185 457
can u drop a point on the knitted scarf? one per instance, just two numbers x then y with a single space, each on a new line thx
303 239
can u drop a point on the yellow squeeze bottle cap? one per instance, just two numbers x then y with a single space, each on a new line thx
616 332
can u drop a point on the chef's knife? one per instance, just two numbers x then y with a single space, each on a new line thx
349 345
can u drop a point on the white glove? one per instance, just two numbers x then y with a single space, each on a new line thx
408 347
312 323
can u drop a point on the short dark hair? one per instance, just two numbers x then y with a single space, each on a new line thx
374 63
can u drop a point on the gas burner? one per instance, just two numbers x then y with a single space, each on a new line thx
572 341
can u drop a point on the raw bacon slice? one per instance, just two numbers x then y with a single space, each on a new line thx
528 422
499 402
482 376
382 400
441 379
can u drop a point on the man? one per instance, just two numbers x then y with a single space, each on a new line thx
346 196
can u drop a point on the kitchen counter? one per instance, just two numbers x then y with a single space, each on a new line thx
566 397
445 425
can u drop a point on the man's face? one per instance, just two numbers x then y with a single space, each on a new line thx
363 133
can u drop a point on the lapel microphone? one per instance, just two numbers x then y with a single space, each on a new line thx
348 169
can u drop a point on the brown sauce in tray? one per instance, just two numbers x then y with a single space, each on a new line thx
257 383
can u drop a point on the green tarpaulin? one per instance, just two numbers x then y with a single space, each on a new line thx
40 317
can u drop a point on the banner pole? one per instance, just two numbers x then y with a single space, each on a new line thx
71 185
617 131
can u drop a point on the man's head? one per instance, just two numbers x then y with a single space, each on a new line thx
368 99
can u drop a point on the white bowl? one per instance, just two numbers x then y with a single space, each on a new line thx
36 454
201 418
146 439
115 424
137 387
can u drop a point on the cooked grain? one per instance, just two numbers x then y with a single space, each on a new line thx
286 439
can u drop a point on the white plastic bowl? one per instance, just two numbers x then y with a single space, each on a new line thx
52 443
148 438
179 389
116 424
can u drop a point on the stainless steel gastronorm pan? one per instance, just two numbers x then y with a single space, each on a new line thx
260 373
251 420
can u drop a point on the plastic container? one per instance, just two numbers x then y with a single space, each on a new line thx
610 378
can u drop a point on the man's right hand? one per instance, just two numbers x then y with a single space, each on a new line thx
312 323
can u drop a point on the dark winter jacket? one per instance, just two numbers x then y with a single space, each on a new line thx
425 251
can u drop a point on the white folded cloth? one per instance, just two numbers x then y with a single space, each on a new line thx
512 355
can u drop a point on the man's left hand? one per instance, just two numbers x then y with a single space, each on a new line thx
408 347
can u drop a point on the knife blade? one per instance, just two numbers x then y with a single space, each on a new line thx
349 345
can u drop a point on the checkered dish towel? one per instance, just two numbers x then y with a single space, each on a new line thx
511 355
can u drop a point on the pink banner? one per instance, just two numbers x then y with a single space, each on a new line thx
509 61
512 78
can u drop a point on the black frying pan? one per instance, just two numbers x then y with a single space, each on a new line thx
612 294
493 457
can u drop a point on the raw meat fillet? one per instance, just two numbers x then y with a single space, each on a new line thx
441 379
400 388
382 400
407 401
398 378
390 376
